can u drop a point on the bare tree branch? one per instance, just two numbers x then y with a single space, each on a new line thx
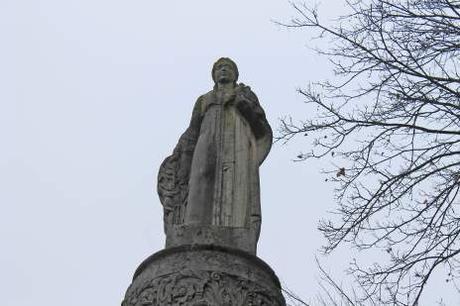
391 120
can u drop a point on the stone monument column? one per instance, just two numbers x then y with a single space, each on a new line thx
209 189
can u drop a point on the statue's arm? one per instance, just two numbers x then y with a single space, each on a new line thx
174 172
187 141
248 105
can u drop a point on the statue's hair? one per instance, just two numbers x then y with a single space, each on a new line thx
227 60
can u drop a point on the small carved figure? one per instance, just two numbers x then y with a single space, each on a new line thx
212 177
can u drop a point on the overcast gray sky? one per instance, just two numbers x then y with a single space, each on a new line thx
94 95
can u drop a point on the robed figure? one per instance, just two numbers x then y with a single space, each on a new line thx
212 177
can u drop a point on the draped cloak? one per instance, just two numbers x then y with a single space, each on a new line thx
212 177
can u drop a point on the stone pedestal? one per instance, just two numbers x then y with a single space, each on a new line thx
242 238
204 275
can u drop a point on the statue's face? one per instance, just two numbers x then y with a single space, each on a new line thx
224 73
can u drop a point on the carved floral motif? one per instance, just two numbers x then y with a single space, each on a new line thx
202 288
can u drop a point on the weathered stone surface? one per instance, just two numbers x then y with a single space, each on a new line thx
212 177
209 188
204 276
242 238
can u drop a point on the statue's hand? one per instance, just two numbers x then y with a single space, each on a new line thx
229 98
243 104
243 99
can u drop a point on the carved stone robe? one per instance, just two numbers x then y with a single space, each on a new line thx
212 178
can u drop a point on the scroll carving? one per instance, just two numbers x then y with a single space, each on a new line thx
203 288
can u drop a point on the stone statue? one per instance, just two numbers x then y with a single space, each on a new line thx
211 181
209 188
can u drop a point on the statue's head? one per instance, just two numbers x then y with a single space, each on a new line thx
224 71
